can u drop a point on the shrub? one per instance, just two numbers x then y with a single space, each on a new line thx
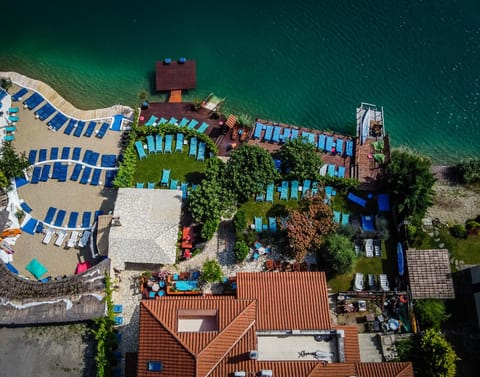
241 250
431 313
240 221
458 231
211 271
469 170
209 228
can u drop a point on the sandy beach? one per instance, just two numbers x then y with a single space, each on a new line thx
70 196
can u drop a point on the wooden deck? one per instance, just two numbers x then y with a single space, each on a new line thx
175 96
175 75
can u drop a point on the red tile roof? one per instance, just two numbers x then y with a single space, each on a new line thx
262 300
302 296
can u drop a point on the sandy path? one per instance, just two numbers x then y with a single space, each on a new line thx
71 196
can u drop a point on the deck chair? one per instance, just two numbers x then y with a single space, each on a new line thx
151 121
306 187
173 121
258 224
201 151
284 191
140 151
272 224
286 135
258 130
179 142
269 197
168 143
165 177
183 122
173 184
341 172
331 170
150 185
336 216
192 124
345 218
151 144
349 148
294 190
158 143
193 147
184 188
321 142
139 185
203 127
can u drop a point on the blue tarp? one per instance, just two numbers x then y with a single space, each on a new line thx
383 202
367 224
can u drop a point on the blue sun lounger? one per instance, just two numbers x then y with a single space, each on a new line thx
57 166
260 197
151 121
329 144
179 142
70 127
9 138
158 143
139 185
321 142
168 143
18 96
3 94
54 153
276 134
284 190
50 215
93 158
45 111
60 217
140 151
150 143
30 226
62 176
86 156
33 101
294 190
86 219
184 188
336 216
286 135
90 128
193 147
269 196
268 133
201 151
36 175
32 156
11 110
103 130
192 124
328 192
25 207
13 118
79 129
96 177
85 175
308 137
77 151
173 121
306 187
162 121
57 121
345 218
272 224
349 148
341 172
339 147
45 173
331 170
150 185
183 122
173 184
258 130
165 177
110 177
294 134
203 128
65 153
314 188
258 224
72 220
11 129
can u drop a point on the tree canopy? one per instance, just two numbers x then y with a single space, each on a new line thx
248 168
431 313
307 226
339 252
12 163
410 182
300 160
469 170
209 201
211 271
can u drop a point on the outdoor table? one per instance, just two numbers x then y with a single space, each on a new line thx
155 287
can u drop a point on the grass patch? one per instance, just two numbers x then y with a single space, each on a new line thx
465 249
183 168
278 208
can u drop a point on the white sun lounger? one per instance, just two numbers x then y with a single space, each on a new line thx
384 282
369 247
72 241
358 284
83 241
61 237
48 236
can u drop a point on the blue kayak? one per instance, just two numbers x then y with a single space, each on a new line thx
401 261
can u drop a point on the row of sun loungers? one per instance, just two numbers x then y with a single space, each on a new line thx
90 157
260 227
155 145
341 218
57 218
185 122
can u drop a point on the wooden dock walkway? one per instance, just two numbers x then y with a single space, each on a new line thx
175 96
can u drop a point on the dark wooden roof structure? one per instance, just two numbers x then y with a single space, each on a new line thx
71 299
175 75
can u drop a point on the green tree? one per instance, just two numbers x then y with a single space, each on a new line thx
4 182
209 228
300 160
6 83
209 201
12 163
339 252
211 271
469 170
241 250
240 221
438 355
248 168
410 182
245 120
431 313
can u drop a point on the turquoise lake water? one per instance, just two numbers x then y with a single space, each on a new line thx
308 63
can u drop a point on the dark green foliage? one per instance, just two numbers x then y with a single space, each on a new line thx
104 335
458 231
240 221
241 250
300 160
248 168
209 228
340 253
6 83
212 272
409 180
209 201
431 313
12 163
469 170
